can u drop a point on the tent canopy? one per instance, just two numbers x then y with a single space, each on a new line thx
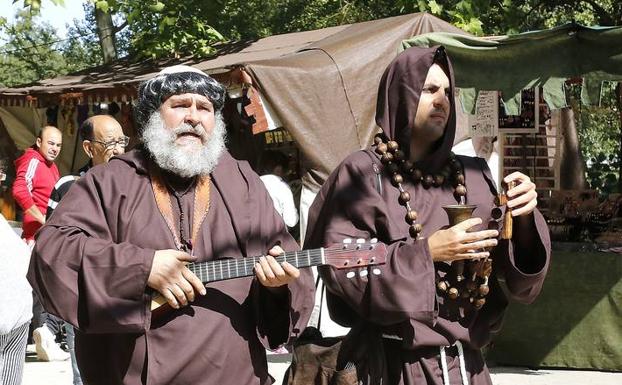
545 58
321 84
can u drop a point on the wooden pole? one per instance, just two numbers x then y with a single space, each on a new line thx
619 100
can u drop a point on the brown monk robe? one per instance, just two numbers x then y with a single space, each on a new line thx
402 303
93 258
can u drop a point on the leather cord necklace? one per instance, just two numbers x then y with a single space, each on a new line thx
163 201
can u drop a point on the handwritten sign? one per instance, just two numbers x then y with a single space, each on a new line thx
485 122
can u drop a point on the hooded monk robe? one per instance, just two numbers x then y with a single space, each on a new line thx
402 301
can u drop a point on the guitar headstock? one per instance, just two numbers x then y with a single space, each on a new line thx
359 253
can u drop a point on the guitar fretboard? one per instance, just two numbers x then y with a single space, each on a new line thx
222 269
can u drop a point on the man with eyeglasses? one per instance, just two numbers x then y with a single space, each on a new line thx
102 138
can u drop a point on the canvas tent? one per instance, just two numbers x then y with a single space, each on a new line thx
321 84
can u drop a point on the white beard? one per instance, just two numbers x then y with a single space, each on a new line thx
185 161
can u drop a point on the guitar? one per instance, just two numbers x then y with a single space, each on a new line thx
345 255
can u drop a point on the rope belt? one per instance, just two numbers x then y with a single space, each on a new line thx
458 345
463 373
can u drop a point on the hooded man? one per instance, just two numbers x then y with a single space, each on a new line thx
437 300
140 229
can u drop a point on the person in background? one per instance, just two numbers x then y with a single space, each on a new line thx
102 138
16 300
36 175
275 166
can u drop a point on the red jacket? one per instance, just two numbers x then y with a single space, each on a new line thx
33 184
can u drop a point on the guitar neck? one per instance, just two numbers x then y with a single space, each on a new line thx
222 269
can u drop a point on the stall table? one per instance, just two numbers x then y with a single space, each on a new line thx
576 322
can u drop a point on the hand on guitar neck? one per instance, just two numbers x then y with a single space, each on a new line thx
176 277
178 285
270 273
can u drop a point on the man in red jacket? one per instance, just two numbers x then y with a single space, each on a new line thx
36 176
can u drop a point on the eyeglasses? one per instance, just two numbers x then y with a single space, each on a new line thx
110 145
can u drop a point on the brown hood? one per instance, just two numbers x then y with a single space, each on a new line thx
398 98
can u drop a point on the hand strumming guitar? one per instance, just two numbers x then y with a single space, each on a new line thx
171 278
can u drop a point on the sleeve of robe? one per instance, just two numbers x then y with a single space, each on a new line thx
80 274
523 264
350 206
281 312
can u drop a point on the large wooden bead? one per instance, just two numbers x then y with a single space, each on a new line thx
439 180
442 286
418 227
411 217
479 302
397 179
404 197
483 290
399 155
416 175
381 148
461 190
377 139
412 230
428 181
459 178
496 213
455 164
453 293
407 165
471 286
392 145
386 158
392 168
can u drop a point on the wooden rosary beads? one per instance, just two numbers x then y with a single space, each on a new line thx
453 286
395 160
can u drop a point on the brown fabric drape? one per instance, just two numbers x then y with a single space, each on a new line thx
325 94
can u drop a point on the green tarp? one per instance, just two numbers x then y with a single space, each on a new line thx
541 58
576 322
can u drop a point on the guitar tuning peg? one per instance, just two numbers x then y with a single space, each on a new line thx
373 240
347 240
360 240
376 271
350 274
363 273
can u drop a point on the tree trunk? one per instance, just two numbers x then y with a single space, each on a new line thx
572 166
619 100
105 31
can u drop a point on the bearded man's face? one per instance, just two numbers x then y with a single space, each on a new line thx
185 136
188 108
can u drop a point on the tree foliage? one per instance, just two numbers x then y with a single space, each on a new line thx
32 52
599 130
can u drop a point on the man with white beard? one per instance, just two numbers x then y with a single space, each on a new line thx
131 235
